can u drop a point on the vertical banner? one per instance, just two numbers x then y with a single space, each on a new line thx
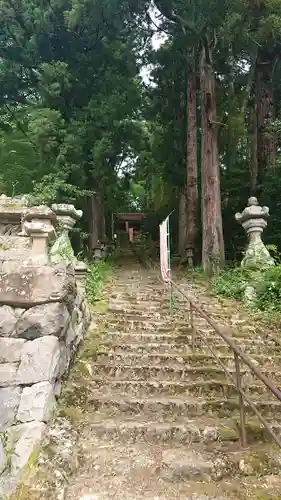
164 261
127 226
165 255
131 234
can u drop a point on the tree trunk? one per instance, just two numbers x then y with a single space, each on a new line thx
191 160
253 140
101 218
97 222
93 225
213 243
266 140
182 222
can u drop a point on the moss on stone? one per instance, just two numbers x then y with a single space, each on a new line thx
257 257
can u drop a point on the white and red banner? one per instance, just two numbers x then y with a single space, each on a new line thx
164 258
131 233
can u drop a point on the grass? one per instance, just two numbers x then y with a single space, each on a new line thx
98 273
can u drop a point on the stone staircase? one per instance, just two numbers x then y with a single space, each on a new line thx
164 420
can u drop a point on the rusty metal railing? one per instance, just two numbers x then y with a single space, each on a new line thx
239 356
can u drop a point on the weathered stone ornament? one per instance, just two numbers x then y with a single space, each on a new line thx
253 220
67 216
38 224
62 250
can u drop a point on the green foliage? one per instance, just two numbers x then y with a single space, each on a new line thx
98 273
232 282
269 290
275 254
75 117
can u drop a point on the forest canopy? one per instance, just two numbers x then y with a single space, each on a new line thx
198 135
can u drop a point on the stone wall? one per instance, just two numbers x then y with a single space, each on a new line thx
43 318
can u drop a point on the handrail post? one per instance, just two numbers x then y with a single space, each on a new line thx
241 401
193 330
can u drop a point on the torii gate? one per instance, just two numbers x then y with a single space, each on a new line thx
127 217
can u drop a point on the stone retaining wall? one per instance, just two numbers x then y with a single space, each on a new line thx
43 318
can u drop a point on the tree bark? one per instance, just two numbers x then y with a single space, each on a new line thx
93 225
96 221
253 143
213 244
266 140
182 223
191 159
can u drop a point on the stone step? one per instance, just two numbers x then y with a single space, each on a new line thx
171 330
122 345
235 333
190 359
182 339
125 307
142 388
128 343
177 406
145 337
184 431
168 372
154 324
196 461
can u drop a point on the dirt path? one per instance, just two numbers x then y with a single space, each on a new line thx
144 417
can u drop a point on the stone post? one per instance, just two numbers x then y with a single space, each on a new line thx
38 224
62 250
253 220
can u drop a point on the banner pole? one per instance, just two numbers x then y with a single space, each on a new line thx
169 264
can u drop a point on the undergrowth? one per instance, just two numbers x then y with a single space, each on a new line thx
97 275
232 282
269 290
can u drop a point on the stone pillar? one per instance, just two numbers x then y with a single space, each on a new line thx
62 250
253 220
38 224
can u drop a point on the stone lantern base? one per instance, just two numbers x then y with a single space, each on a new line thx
257 256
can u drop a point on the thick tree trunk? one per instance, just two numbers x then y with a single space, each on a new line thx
182 222
191 160
266 140
96 222
213 243
253 140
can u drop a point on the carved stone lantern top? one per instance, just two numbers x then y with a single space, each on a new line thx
7 201
67 214
253 211
67 209
11 210
38 229
253 220
39 213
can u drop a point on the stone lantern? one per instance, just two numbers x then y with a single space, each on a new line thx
253 220
62 250
38 223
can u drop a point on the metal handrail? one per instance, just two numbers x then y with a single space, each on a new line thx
238 355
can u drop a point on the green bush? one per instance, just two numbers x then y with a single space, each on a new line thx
269 290
98 273
231 282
